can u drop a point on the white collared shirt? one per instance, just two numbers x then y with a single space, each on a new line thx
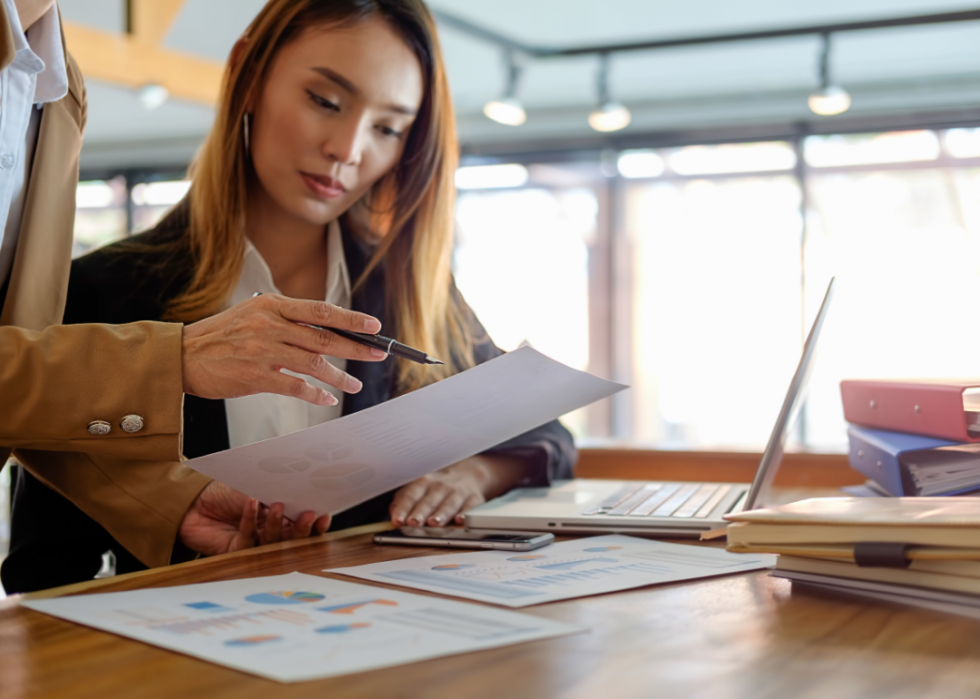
36 76
266 415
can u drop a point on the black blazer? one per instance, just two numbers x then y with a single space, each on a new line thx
55 543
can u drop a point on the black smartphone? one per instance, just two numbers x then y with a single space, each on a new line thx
460 538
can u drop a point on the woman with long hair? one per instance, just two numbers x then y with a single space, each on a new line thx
328 175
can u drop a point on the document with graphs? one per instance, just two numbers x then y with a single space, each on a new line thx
332 467
300 627
589 566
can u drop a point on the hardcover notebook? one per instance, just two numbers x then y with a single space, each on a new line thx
918 574
945 522
934 408
910 465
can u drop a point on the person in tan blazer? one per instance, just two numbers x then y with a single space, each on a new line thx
108 399
327 109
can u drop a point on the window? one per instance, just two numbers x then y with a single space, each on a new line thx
107 210
719 256
716 307
100 214
692 272
522 261
905 244
151 200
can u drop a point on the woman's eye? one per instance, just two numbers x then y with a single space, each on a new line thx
322 102
388 131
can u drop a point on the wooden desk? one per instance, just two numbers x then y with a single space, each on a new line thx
740 636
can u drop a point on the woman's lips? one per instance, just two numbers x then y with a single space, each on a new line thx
323 187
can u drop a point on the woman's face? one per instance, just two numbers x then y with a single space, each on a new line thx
333 116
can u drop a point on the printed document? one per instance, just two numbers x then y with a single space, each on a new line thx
332 467
300 627
588 566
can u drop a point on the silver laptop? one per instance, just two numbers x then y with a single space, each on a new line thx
636 507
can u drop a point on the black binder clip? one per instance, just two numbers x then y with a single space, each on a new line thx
879 554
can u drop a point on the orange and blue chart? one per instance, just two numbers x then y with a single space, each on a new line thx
568 565
602 549
252 641
287 597
351 607
342 628
208 607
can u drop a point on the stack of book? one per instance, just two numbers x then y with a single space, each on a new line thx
914 438
919 551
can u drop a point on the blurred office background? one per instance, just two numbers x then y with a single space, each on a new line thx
684 254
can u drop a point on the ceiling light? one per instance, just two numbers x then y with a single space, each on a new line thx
830 99
609 115
152 96
508 109
491 176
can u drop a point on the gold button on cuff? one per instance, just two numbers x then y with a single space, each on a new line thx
131 423
99 428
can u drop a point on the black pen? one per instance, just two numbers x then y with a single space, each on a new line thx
385 344
379 342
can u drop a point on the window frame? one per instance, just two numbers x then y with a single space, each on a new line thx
611 283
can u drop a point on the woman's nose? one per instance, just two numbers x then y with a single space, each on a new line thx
346 143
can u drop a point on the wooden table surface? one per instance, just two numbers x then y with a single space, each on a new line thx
745 635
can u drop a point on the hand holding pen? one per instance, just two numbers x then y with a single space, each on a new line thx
243 350
378 342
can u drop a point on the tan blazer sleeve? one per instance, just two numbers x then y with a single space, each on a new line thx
57 381
140 503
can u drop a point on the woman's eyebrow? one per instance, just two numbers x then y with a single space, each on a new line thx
338 79
350 87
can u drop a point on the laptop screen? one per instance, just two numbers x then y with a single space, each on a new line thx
795 396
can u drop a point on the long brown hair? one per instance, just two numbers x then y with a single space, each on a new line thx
408 213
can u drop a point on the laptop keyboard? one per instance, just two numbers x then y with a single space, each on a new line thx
686 500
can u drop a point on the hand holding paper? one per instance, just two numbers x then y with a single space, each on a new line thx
222 520
339 464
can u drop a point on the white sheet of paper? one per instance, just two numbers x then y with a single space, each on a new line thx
300 627
332 467
588 566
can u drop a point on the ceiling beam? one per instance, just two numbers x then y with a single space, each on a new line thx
150 20
512 44
128 61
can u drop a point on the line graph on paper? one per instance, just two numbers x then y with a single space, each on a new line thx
182 625
567 569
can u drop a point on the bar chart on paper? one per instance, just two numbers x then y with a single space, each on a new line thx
299 627
561 571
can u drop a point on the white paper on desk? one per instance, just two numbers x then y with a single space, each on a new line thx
332 467
577 568
300 627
